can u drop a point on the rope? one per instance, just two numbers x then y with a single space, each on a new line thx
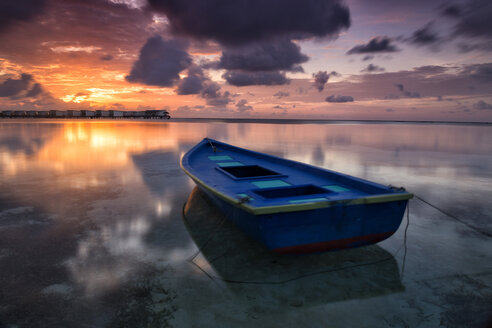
405 241
212 145
280 282
233 281
484 233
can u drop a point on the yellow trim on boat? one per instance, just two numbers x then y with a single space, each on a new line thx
299 207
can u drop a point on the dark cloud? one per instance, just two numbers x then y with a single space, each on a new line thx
282 54
339 99
106 57
24 87
472 24
451 11
14 11
241 78
482 105
431 69
368 57
239 22
242 106
375 45
372 68
481 72
320 80
82 94
448 82
467 47
214 97
473 18
12 87
193 83
281 94
424 36
406 93
160 62
35 91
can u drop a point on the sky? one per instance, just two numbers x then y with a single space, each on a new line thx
292 59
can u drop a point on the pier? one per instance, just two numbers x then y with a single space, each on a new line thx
92 114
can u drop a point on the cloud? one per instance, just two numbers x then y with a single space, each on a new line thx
12 87
240 78
406 93
373 68
12 12
106 57
261 63
238 22
193 83
281 94
424 36
451 11
242 106
160 62
473 18
24 87
321 78
481 72
375 45
339 99
214 97
472 23
482 105
368 57
282 54
35 91
446 81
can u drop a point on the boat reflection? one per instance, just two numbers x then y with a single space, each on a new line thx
226 254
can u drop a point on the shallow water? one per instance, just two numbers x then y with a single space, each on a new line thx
92 230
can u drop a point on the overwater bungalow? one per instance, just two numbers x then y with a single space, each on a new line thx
116 113
157 114
102 113
58 113
88 113
74 113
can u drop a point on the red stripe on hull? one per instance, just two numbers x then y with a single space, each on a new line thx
334 244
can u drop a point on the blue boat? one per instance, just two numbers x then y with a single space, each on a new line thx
292 207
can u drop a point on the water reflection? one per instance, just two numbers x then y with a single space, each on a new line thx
228 255
89 208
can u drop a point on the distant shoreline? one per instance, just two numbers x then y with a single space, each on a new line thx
320 121
243 120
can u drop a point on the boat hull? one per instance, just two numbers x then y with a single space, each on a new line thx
292 207
318 230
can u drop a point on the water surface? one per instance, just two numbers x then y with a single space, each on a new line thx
92 230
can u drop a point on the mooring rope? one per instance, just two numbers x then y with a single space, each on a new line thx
212 145
404 246
484 233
